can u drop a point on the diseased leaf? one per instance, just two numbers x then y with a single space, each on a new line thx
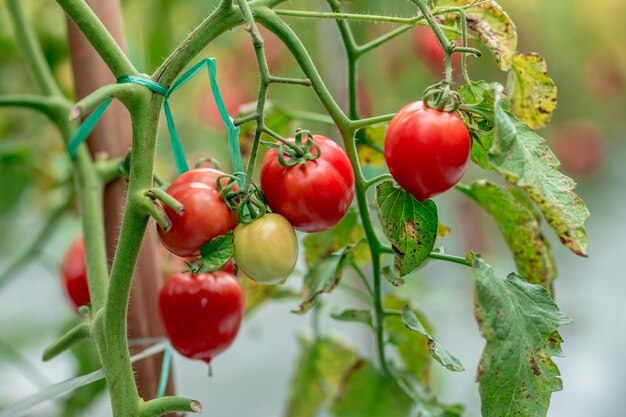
318 375
520 227
494 28
257 294
323 278
479 95
412 347
348 231
440 354
531 90
392 277
365 392
410 226
371 144
519 321
217 252
359 316
529 163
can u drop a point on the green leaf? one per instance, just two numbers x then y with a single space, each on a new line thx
348 231
479 96
494 28
410 226
412 347
370 143
440 354
323 278
520 226
317 375
360 316
392 277
217 252
519 321
529 163
365 392
531 90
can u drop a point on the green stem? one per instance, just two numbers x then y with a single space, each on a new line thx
102 94
50 106
31 49
165 405
74 335
450 258
160 194
99 37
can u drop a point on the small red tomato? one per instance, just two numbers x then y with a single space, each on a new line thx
313 196
201 313
206 215
74 273
428 48
427 151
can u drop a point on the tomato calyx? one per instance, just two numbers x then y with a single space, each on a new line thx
247 202
297 152
442 97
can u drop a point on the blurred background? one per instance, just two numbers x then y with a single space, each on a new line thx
583 44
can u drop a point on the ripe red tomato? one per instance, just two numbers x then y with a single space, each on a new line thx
206 215
313 196
74 273
266 250
427 151
428 48
201 313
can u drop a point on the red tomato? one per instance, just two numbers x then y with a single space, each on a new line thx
201 313
427 150
314 196
206 215
428 48
74 273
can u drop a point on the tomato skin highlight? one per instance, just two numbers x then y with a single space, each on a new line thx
206 215
266 250
427 151
74 273
202 313
315 196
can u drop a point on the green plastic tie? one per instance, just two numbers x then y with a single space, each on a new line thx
90 122
165 371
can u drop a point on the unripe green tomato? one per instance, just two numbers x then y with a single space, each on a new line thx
266 250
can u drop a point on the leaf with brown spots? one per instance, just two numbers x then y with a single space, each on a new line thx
410 226
531 90
520 227
371 144
519 321
494 28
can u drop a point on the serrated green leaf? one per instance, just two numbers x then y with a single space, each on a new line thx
529 163
438 352
479 96
348 231
365 392
494 28
370 143
323 278
412 347
519 321
531 90
359 316
410 226
217 252
520 227
318 375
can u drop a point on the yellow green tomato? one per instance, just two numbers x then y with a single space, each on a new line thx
266 249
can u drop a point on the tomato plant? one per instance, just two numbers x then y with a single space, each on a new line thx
74 273
309 183
313 195
427 150
201 312
266 250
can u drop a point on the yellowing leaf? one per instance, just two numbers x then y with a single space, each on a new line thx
531 90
